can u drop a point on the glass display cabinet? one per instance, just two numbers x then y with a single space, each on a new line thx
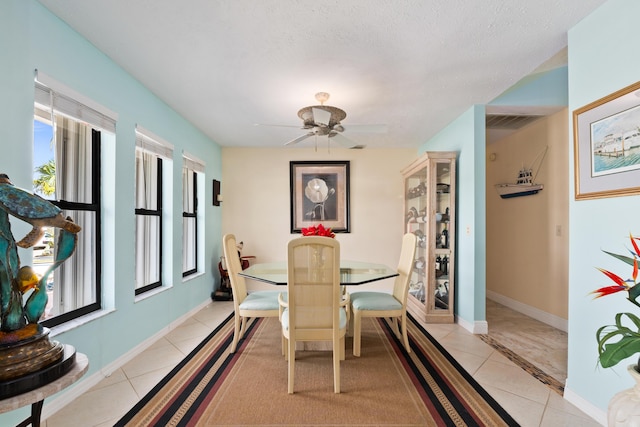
429 205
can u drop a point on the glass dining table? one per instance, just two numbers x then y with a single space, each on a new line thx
351 272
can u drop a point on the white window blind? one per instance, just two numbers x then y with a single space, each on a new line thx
151 143
192 162
62 100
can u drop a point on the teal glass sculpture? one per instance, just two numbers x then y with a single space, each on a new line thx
17 317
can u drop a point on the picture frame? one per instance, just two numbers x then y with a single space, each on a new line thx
216 193
319 194
606 136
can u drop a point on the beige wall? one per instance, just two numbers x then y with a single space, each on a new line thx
255 207
527 261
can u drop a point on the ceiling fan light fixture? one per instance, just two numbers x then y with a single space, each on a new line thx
306 115
326 120
336 115
322 97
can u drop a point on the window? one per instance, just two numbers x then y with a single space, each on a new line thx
192 173
148 209
148 221
67 147
189 222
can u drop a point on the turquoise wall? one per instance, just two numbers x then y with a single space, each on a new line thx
32 38
602 59
466 136
546 89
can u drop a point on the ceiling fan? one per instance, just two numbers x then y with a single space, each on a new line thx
321 120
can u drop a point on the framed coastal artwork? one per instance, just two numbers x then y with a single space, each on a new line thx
319 195
606 136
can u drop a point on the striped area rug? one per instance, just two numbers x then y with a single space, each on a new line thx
384 387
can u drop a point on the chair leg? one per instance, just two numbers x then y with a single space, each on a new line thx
342 345
236 333
357 329
284 347
244 326
405 338
349 322
291 350
393 322
336 365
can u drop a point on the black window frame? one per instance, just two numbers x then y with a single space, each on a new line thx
94 206
193 215
157 212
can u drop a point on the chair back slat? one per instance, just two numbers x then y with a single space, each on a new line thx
232 258
405 265
314 283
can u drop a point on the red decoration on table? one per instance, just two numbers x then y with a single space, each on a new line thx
318 230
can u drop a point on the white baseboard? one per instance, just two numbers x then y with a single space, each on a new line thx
594 412
53 406
542 316
477 327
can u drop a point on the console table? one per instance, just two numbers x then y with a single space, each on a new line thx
36 397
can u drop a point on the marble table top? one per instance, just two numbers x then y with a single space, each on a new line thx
79 368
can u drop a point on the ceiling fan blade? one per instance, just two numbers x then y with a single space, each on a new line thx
365 128
300 138
342 140
279 126
321 117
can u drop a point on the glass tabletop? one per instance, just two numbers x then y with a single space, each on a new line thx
351 272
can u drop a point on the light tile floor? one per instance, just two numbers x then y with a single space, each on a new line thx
529 401
540 344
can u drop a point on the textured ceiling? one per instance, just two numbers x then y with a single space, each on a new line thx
414 65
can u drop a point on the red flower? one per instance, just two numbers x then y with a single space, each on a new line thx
608 290
635 246
619 280
318 230
629 285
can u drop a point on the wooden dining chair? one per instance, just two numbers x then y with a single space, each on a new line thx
315 308
246 305
381 304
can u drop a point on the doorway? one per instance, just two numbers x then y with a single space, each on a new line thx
527 243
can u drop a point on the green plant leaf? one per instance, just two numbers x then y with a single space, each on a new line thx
630 316
623 258
611 354
608 334
634 293
602 340
616 352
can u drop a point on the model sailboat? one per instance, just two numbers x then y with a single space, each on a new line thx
525 184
